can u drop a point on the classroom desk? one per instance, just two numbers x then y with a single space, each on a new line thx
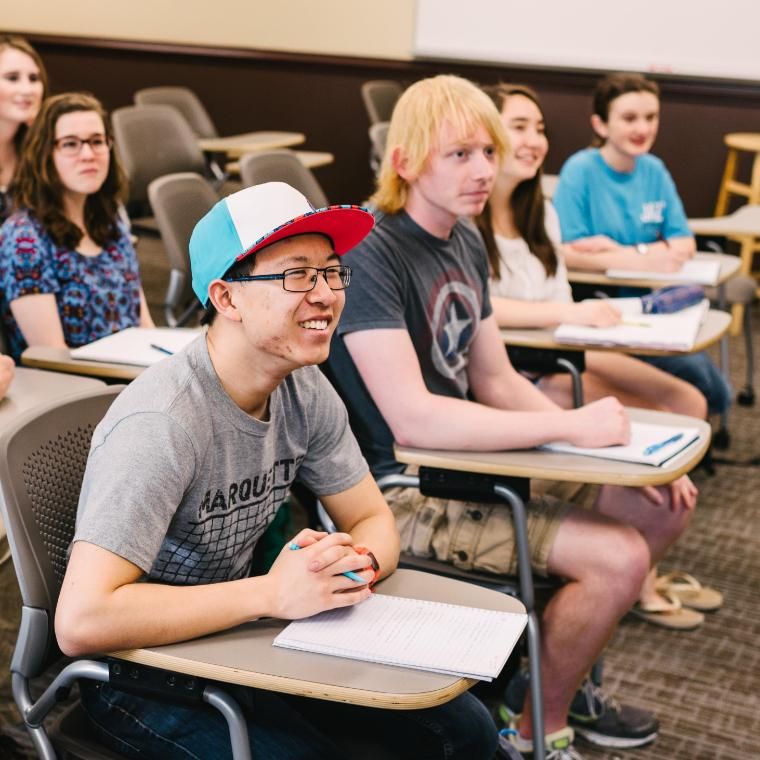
715 325
480 467
729 266
32 387
59 360
550 465
245 655
251 142
311 159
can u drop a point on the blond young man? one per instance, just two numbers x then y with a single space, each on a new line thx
188 468
419 359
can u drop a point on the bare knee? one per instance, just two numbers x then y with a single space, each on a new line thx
623 562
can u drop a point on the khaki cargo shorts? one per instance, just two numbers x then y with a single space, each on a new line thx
476 536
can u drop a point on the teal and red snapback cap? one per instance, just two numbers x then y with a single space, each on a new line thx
247 221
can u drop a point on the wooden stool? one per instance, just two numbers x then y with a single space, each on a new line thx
749 142
736 142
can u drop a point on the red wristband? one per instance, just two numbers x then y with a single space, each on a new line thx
375 564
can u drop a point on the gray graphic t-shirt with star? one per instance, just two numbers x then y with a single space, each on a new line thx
405 278
182 483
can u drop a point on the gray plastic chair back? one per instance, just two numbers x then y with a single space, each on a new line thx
378 138
185 101
42 462
281 166
153 141
380 96
179 201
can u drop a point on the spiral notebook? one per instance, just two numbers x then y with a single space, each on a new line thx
412 633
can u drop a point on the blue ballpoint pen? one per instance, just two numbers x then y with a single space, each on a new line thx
349 573
162 349
657 446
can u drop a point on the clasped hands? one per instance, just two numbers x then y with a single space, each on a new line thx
310 580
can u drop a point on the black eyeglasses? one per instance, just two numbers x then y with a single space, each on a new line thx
70 145
303 279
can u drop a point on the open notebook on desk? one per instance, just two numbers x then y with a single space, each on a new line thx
696 271
412 633
668 332
141 346
649 444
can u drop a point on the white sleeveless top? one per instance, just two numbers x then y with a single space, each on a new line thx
523 276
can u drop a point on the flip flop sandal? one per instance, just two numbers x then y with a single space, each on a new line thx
689 591
668 612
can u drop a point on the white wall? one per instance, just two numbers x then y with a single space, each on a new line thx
335 27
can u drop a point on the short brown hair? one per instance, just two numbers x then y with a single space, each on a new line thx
613 86
38 188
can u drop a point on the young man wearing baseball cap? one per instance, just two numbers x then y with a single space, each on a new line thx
188 468
419 360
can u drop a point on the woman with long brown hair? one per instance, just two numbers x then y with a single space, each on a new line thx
68 269
23 85
529 288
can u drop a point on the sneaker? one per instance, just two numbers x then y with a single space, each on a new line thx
599 719
559 744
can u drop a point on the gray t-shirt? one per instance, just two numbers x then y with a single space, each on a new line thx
182 483
437 290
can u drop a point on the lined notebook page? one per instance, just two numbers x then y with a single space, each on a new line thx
412 633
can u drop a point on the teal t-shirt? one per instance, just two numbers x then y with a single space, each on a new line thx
641 206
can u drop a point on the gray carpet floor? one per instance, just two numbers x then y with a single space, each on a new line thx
703 685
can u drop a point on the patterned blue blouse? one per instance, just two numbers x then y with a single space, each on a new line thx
96 295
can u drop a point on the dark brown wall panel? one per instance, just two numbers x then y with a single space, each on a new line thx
319 95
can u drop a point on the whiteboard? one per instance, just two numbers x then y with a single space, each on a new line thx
698 38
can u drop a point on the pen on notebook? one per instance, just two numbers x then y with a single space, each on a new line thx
631 323
349 573
657 446
162 349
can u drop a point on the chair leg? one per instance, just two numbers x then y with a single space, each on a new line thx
528 599
230 709
746 396
728 174
576 380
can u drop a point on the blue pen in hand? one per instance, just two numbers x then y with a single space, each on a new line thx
662 444
349 573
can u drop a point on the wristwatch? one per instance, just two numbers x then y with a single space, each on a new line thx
375 565
642 248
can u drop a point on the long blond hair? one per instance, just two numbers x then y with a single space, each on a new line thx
415 128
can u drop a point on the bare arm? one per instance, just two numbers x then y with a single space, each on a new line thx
103 607
362 512
510 312
38 320
7 368
145 319
417 417
599 254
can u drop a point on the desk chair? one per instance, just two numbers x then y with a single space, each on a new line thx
743 227
547 361
153 141
185 101
380 96
378 137
42 461
736 142
179 201
282 166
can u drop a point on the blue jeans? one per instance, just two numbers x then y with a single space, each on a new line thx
284 727
701 372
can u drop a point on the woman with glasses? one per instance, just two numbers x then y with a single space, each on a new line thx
68 269
23 85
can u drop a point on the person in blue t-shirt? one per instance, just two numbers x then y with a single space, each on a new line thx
619 208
